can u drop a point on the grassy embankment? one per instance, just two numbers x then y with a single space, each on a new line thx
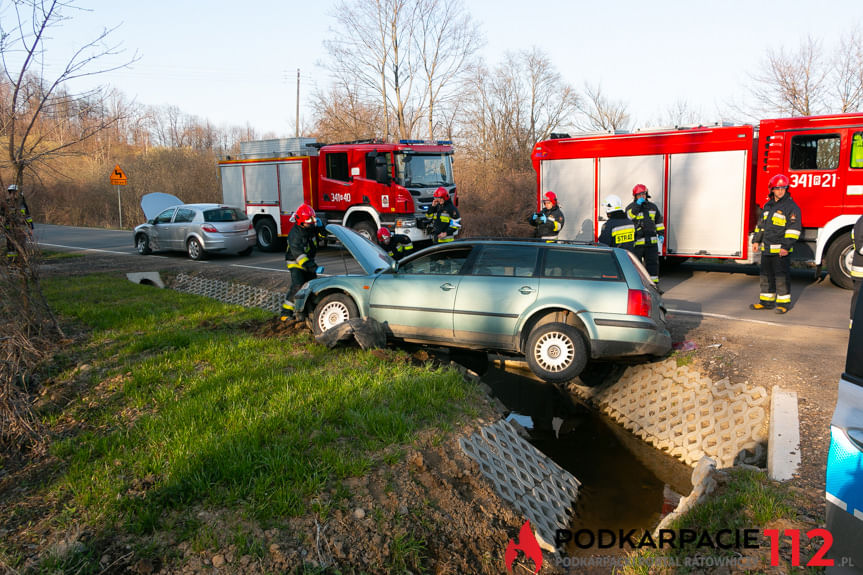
180 403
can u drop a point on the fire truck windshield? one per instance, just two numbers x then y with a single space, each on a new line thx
423 170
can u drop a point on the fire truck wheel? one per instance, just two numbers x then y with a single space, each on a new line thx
195 249
556 352
366 229
267 236
142 244
331 311
838 258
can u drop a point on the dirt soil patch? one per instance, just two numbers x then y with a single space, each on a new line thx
431 511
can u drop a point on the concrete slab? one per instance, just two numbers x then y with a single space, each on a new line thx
783 446
146 278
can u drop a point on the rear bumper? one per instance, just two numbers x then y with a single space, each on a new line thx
229 243
629 338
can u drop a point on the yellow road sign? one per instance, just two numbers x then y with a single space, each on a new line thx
118 176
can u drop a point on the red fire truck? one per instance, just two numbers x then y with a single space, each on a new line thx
709 182
361 185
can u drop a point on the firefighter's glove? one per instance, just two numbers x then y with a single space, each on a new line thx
542 218
535 215
661 238
640 201
319 222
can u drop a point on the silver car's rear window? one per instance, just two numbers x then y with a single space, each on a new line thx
581 264
224 215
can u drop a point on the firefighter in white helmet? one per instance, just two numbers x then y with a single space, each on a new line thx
618 231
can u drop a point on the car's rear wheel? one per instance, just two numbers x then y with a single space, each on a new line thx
195 249
556 352
331 311
142 244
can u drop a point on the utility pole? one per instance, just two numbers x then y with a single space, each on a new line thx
298 104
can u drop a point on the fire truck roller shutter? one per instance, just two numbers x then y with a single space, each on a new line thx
573 182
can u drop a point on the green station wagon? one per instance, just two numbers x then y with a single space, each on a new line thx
557 304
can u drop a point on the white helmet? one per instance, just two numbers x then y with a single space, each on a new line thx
613 204
12 188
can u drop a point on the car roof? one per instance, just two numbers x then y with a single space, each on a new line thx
529 241
207 206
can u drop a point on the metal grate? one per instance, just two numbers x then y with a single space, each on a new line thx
226 292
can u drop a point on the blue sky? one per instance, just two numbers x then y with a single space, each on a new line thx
236 63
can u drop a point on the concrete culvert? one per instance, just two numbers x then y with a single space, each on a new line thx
146 278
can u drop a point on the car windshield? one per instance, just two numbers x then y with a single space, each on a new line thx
423 170
224 215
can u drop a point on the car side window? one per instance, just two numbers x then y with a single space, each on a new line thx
224 215
581 264
506 261
441 262
165 217
184 215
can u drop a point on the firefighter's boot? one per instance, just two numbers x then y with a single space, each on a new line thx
781 309
287 313
761 305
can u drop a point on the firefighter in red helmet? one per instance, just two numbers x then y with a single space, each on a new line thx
442 221
549 220
396 245
300 255
775 234
649 229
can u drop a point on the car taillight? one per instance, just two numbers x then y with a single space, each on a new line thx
250 225
210 228
638 303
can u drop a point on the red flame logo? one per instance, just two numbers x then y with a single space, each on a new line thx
527 544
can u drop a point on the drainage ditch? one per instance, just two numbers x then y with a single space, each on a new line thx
625 483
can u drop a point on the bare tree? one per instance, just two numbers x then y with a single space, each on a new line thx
342 114
602 113
41 120
446 38
793 84
847 73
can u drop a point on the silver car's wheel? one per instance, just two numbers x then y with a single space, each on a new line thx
556 352
196 251
142 244
331 311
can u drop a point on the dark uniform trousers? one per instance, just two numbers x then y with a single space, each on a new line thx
775 279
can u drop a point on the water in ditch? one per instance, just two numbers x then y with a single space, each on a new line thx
624 481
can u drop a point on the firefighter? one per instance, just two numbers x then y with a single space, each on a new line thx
442 222
300 255
396 245
549 221
856 263
618 231
649 229
15 214
775 235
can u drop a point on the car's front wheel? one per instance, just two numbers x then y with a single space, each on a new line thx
195 249
142 244
556 352
332 310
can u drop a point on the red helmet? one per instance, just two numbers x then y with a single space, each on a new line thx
778 181
441 192
639 189
551 197
304 214
384 234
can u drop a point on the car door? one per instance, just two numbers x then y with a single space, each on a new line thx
181 227
844 485
417 300
160 232
500 285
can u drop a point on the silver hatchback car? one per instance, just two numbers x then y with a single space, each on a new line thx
557 304
194 228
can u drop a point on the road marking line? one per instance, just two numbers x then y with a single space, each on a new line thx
259 268
84 249
735 318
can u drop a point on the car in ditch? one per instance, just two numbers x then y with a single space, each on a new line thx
558 304
197 229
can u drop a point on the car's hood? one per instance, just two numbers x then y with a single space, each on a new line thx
370 256
153 204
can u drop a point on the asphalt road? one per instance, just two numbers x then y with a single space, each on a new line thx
700 288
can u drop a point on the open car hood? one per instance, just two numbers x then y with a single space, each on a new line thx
153 204
370 256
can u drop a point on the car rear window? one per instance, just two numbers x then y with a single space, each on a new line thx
224 215
581 264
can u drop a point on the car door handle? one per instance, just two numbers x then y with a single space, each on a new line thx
526 290
447 287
